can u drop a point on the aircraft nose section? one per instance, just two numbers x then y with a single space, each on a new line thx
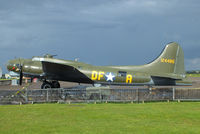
13 65
10 66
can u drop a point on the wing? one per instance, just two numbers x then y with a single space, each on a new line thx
61 72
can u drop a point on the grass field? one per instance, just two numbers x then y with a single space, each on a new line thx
193 75
152 118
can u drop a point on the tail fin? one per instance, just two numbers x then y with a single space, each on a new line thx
171 61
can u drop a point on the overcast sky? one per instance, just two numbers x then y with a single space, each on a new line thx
99 32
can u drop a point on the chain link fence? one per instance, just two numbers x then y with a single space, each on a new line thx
92 94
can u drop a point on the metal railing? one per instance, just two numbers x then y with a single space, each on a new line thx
88 95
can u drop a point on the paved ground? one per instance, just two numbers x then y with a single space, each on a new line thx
36 86
195 80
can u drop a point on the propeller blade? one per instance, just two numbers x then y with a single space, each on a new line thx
20 76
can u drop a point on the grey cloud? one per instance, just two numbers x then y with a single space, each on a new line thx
193 64
123 31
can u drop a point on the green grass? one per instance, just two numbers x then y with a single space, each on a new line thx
152 118
5 79
193 75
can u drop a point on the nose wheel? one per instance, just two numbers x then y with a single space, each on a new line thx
50 84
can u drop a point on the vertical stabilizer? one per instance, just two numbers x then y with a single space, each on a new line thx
171 61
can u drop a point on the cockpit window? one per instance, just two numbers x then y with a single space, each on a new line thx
37 59
17 65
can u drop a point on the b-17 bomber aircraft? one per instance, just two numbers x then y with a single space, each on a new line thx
166 70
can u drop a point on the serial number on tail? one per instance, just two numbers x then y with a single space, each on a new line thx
170 61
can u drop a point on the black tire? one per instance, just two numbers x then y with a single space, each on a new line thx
56 84
46 85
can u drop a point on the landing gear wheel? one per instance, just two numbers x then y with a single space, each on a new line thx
56 84
46 85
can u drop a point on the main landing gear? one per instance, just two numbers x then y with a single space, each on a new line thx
50 84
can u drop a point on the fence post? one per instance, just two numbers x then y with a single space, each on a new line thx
173 93
137 95
47 95
26 95
100 94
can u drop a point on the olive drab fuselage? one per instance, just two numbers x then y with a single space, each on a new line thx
98 74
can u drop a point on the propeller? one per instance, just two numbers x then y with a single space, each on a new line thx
20 73
20 76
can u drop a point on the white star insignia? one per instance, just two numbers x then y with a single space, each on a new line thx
110 77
